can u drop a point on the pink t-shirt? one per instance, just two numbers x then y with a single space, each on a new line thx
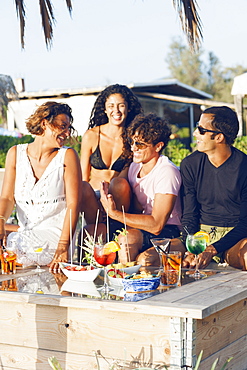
164 178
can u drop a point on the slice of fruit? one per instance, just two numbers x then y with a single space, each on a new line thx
173 262
38 250
111 247
203 234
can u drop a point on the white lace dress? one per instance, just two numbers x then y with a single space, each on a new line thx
41 208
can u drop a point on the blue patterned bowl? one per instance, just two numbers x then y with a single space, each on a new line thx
135 297
141 285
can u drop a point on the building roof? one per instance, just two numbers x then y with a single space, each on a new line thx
169 87
161 86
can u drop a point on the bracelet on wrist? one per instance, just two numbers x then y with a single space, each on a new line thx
3 218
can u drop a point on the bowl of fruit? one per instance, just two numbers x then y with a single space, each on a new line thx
80 273
116 276
142 282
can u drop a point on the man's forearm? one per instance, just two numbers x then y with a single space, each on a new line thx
137 221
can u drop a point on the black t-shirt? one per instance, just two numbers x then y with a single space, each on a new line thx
215 196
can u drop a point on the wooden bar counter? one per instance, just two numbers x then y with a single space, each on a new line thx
170 328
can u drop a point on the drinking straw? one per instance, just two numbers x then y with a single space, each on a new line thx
82 223
128 252
186 230
107 226
94 237
70 229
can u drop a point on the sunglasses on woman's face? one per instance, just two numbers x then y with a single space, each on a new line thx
138 144
203 130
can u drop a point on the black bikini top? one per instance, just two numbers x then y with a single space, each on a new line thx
96 160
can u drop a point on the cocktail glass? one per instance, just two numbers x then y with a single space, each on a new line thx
8 262
104 257
196 244
38 251
161 245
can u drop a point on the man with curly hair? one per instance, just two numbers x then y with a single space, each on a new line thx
155 183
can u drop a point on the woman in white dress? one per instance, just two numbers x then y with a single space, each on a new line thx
43 179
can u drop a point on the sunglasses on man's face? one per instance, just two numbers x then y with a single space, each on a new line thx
203 130
138 144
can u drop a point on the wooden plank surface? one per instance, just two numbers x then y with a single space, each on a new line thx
196 300
237 350
84 331
222 328
19 358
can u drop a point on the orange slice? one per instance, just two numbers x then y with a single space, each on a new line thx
174 262
203 234
111 247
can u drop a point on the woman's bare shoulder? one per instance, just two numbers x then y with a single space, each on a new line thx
91 135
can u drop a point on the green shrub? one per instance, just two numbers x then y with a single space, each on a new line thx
241 143
7 142
176 151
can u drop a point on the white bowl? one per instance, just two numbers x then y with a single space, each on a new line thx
115 281
132 269
80 287
129 270
89 275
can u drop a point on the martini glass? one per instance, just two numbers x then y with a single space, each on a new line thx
161 246
104 258
196 244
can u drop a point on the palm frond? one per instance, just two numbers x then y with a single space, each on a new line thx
190 20
20 9
69 5
47 16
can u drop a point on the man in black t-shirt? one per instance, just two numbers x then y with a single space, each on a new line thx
214 191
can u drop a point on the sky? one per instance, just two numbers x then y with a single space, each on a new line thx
113 41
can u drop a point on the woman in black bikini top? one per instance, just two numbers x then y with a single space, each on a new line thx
105 152
97 162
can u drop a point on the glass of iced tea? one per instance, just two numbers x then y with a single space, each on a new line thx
8 262
172 263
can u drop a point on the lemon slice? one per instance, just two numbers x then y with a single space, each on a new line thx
38 250
111 247
203 234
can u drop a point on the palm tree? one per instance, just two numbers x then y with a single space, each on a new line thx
7 93
187 10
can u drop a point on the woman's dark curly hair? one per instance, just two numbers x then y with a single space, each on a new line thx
151 128
98 116
48 111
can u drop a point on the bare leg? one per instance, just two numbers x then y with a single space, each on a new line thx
237 255
151 258
121 192
89 204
